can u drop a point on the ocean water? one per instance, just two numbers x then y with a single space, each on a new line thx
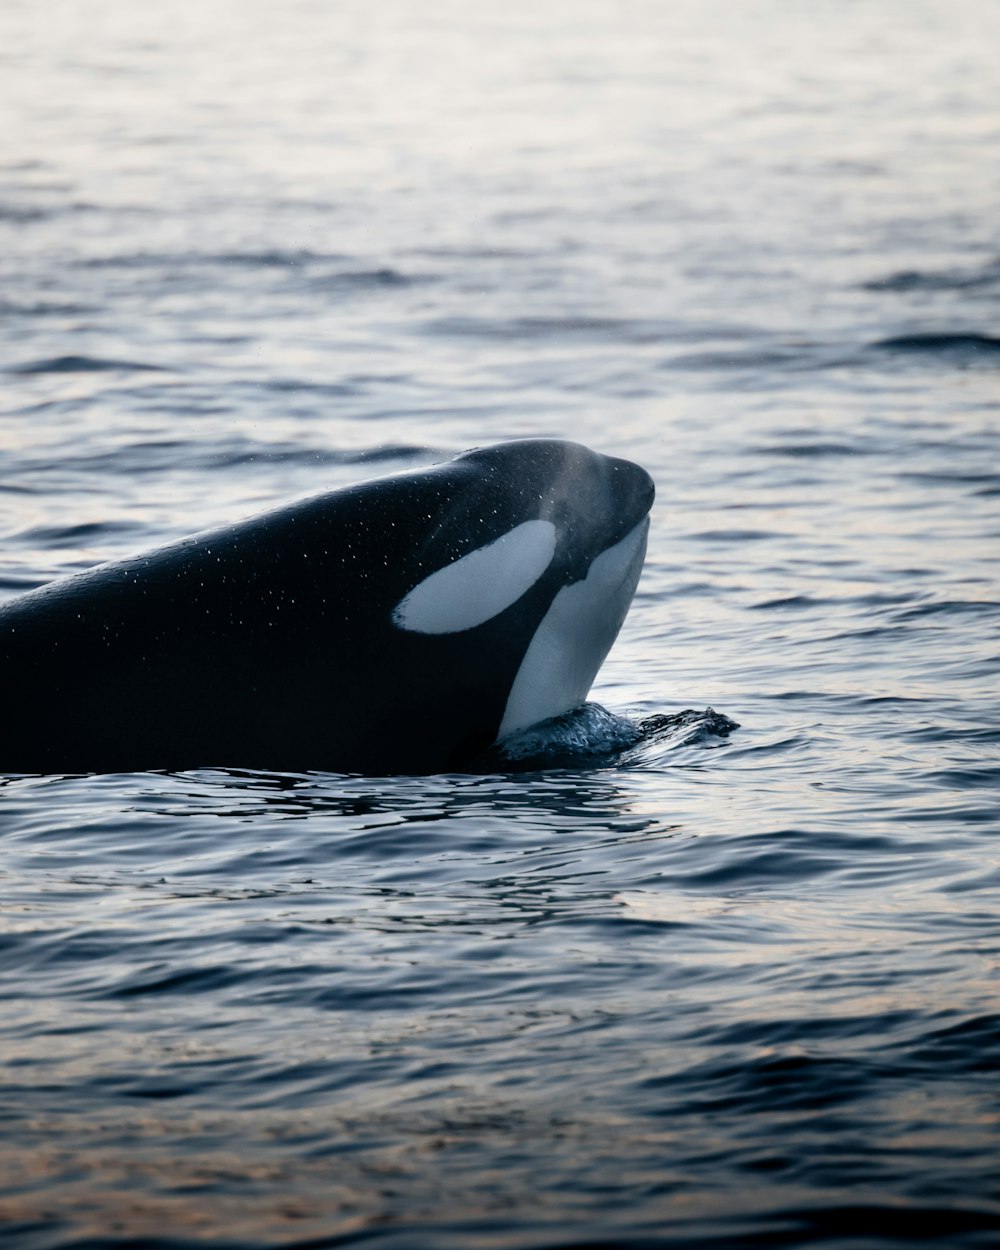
716 989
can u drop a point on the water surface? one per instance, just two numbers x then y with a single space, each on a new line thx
715 992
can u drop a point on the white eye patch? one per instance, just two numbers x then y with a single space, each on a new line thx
481 584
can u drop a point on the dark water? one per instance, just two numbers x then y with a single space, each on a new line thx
711 991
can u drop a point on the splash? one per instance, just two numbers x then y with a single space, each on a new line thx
590 736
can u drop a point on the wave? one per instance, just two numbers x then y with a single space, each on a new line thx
60 536
319 269
591 736
964 343
265 258
639 330
166 455
83 364
41 308
957 279
20 214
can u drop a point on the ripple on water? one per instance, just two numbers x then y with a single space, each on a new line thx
666 983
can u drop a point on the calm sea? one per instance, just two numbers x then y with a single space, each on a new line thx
717 992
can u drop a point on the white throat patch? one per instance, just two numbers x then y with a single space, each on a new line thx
479 585
575 635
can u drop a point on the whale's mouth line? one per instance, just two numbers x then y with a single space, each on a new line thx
639 535
636 535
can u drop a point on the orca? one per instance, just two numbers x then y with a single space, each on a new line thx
399 626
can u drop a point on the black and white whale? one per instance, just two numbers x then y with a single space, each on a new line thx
401 625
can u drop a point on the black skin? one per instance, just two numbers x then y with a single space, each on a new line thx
270 643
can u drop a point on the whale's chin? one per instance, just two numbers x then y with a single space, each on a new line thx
575 635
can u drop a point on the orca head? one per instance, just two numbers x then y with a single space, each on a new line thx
537 554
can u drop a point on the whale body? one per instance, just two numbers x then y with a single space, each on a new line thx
402 625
